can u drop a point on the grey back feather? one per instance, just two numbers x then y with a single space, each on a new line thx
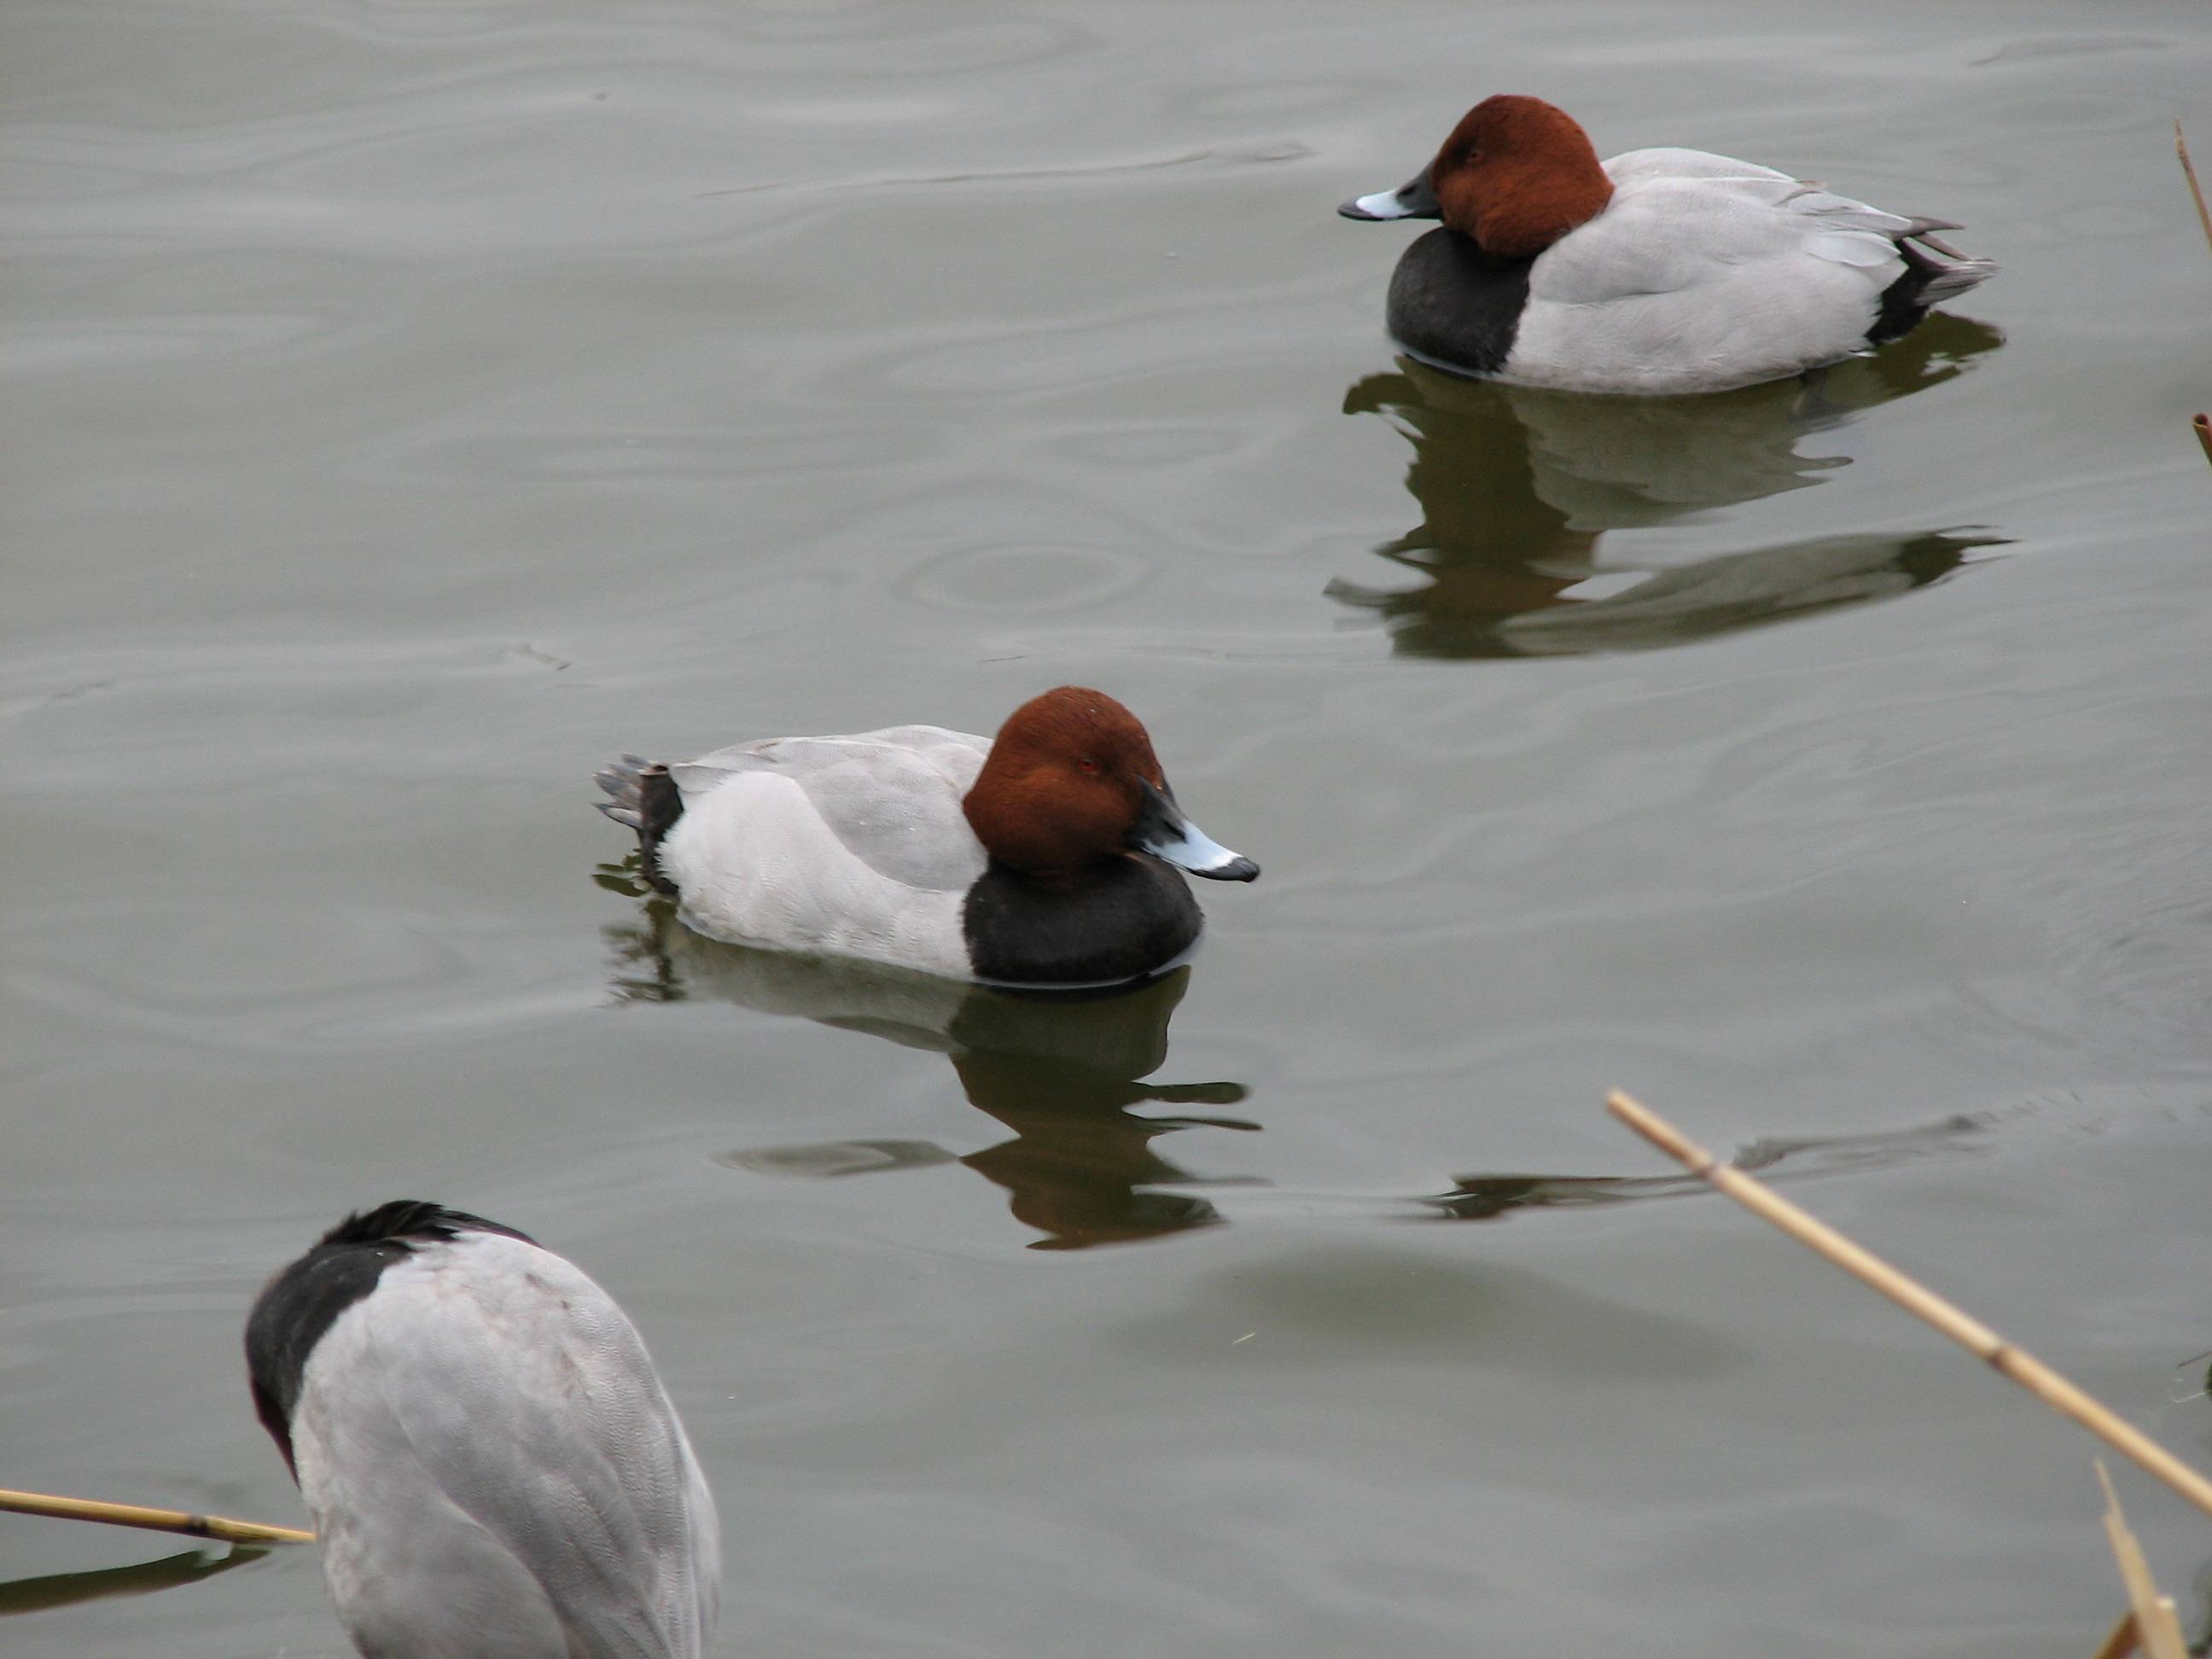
892 798
522 1397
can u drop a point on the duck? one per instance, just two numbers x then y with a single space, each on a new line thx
1047 856
495 1469
1660 272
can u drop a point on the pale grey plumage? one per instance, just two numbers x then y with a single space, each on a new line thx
1704 272
495 1471
883 794
851 846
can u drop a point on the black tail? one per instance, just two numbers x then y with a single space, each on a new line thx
1928 280
645 800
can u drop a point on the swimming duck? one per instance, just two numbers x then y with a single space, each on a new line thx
1660 271
493 1465
1040 857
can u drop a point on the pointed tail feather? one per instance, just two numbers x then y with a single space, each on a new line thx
1950 275
643 798
1948 281
624 781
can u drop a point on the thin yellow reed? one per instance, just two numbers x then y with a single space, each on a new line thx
2188 172
2157 1627
2023 1368
137 1514
2202 422
2123 1640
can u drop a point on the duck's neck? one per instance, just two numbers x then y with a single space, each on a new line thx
1118 919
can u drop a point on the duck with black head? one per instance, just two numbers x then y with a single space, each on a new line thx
1658 272
1045 856
495 1469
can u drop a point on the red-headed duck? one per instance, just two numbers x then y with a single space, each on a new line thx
1660 271
493 1465
1039 857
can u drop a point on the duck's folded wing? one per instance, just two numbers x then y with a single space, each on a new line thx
525 1400
891 798
1664 163
1698 284
797 756
1677 235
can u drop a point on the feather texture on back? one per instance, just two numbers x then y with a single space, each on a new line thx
495 1469
1660 271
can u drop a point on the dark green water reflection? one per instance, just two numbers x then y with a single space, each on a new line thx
1517 487
62 1589
1062 1073
1065 1074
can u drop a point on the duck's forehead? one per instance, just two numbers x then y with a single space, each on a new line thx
1123 736
1512 117
1118 724
1075 714
1472 123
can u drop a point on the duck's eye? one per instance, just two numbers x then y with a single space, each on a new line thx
1088 765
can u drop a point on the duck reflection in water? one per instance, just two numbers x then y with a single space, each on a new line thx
1062 1070
1516 486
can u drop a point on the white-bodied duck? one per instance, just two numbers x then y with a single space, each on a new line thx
1040 857
494 1468
1659 272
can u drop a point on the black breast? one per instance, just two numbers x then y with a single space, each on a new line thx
1451 305
304 1299
1131 916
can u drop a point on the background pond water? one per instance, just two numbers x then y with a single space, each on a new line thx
412 405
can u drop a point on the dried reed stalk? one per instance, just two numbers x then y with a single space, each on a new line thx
2122 1642
2202 422
135 1514
2157 1627
2188 172
2023 1368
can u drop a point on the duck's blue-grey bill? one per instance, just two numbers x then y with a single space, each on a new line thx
1163 831
1414 199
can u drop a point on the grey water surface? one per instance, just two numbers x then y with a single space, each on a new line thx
410 406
